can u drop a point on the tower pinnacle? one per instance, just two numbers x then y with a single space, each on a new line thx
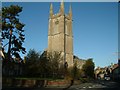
62 7
51 10
70 11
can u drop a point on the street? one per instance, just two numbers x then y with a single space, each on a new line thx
96 85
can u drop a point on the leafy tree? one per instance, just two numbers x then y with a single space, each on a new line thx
50 62
88 68
12 30
42 65
75 71
32 61
33 55
54 63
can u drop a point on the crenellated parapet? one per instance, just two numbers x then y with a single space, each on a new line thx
61 12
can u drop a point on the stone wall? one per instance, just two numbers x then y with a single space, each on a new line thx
8 82
79 62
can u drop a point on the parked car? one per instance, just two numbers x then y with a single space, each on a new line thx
106 77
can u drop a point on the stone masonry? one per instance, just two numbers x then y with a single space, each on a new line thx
60 36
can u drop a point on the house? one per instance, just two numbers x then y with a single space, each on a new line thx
115 75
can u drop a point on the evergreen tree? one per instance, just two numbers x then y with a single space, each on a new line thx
12 30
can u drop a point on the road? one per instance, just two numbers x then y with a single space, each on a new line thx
96 85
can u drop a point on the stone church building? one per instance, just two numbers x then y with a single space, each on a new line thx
60 36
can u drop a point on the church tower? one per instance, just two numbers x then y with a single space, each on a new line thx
60 37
